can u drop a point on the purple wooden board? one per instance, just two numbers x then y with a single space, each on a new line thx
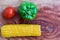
48 17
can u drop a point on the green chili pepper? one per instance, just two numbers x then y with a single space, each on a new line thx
28 10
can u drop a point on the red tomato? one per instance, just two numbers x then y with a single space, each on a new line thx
9 12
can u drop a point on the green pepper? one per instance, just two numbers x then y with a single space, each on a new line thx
28 10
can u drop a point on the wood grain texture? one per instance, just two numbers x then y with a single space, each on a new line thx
48 17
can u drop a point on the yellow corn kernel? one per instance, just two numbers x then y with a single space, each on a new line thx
17 30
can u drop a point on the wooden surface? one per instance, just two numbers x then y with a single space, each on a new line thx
48 17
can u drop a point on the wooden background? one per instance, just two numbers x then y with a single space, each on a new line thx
48 17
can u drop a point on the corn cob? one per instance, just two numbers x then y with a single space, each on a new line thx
17 30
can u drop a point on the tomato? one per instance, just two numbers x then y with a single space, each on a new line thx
9 12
